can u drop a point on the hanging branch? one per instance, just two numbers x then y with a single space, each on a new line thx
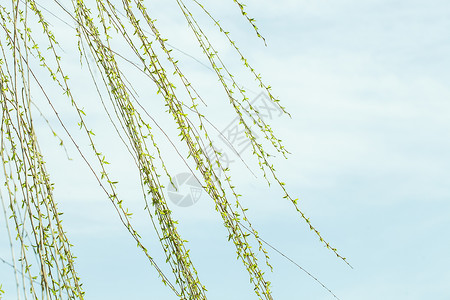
33 209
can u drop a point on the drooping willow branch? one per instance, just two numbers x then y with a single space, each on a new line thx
32 206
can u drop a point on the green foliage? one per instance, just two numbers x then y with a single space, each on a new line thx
32 206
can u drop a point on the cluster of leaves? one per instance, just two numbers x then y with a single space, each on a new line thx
32 205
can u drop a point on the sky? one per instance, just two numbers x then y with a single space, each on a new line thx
366 84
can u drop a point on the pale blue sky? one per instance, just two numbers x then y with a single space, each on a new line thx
367 86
